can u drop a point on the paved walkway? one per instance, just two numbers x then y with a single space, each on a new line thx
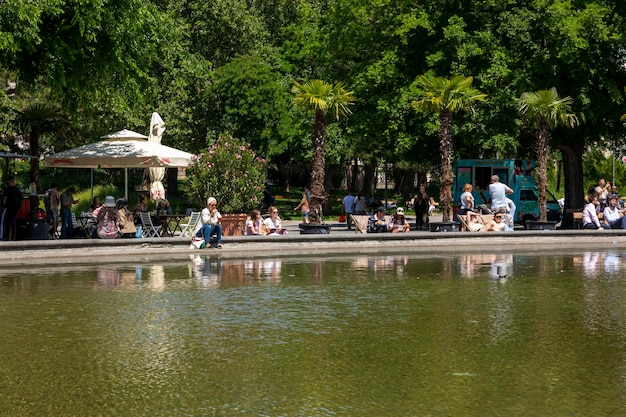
340 241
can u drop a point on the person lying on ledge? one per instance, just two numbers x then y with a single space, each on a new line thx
495 225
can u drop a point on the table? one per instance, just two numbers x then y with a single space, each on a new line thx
175 219
87 224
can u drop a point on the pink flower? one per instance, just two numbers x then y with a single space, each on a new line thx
242 148
238 156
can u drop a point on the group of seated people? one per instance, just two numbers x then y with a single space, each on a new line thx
612 215
257 226
378 223
114 220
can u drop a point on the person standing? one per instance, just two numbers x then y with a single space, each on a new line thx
497 194
360 204
210 223
67 201
304 208
347 208
12 202
51 202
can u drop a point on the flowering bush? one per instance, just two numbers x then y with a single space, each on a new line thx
229 171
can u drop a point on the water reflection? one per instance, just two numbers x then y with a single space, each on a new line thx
598 263
356 335
498 266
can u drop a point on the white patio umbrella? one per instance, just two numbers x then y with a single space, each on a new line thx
157 127
123 149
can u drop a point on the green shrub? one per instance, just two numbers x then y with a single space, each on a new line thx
229 171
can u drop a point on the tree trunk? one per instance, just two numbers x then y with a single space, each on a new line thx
543 148
318 166
369 178
572 155
445 147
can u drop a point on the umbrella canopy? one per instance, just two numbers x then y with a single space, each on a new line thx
120 153
123 149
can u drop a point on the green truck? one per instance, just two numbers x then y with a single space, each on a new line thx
517 174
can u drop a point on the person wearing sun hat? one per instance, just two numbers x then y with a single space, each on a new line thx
210 224
398 223
108 220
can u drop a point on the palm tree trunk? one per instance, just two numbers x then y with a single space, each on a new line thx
318 165
543 148
445 147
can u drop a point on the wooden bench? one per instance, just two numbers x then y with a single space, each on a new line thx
577 216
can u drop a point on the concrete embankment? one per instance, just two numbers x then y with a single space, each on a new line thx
338 242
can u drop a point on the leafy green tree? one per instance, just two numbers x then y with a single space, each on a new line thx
321 97
445 97
545 110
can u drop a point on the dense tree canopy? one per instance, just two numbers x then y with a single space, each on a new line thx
211 67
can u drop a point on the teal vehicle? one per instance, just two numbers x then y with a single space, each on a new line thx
517 174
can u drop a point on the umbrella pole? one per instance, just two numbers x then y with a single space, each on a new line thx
126 183
91 169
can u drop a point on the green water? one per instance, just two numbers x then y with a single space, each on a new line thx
377 336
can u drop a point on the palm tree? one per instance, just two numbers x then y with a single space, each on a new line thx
545 110
37 119
446 97
321 97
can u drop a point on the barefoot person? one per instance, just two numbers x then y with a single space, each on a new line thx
304 207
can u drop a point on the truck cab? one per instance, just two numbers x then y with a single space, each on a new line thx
515 173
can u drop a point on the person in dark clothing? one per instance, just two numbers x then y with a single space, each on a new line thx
12 202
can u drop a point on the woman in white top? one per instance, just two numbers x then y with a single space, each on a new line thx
467 199
590 216
467 208
272 223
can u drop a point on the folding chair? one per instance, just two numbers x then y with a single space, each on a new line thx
190 226
360 222
149 229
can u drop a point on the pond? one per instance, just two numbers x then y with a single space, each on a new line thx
456 335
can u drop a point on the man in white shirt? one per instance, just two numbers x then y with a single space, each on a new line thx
497 193
613 215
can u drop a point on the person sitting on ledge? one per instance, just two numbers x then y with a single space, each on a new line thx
495 225
590 214
376 223
398 223
254 224
613 216
272 224
210 224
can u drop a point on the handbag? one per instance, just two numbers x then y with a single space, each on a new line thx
342 218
